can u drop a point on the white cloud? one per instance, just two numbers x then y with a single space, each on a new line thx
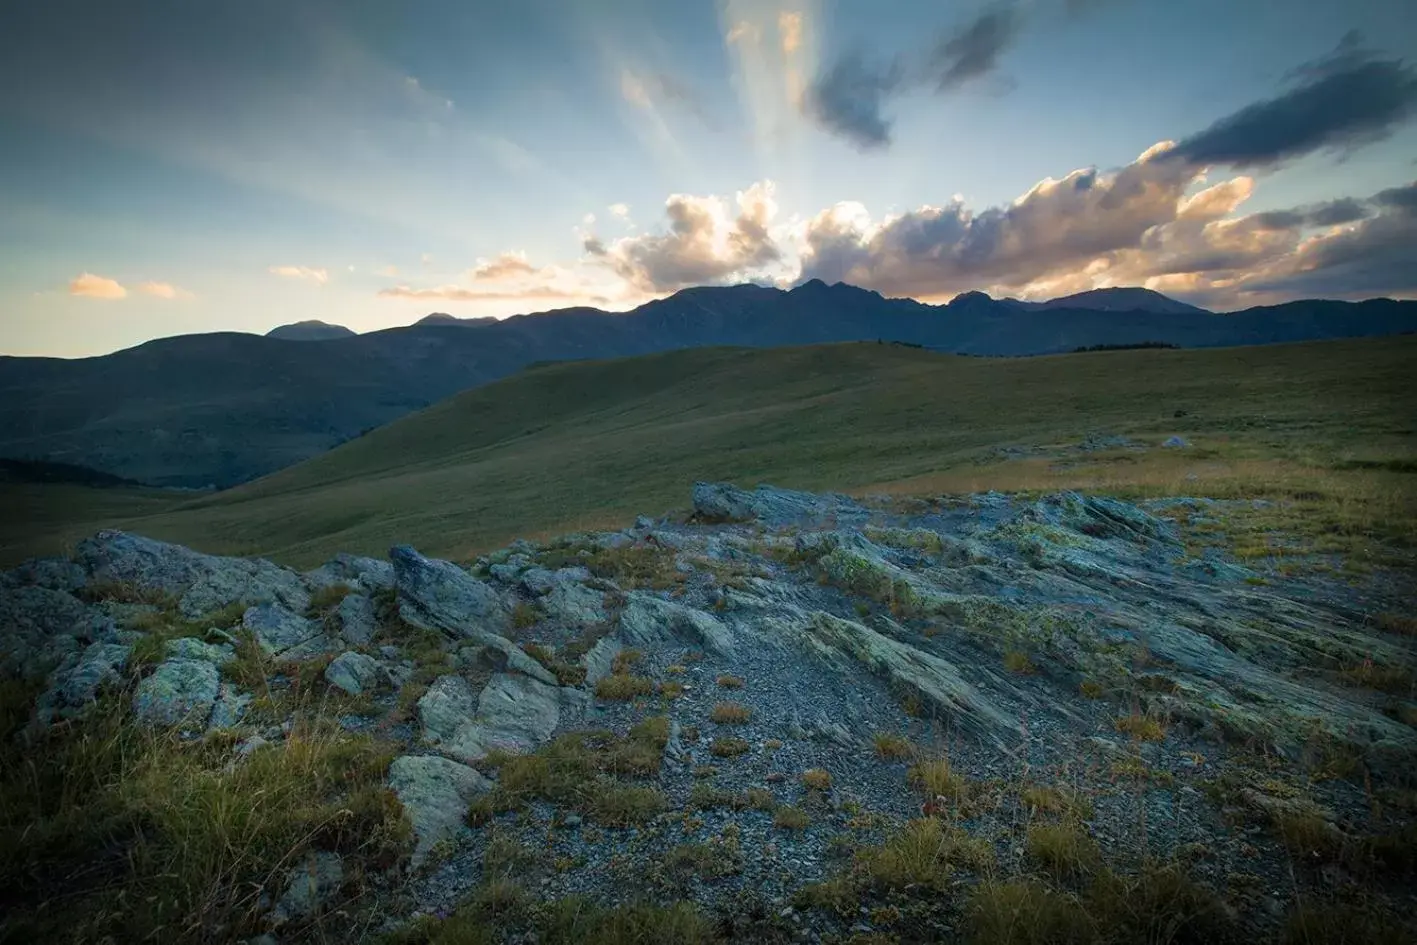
503 267
618 209
317 276
90 286
163 290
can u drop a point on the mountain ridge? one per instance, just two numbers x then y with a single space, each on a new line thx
222 408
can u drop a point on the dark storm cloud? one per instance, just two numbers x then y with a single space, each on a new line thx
1330 213
1398 198
974 50
848 98
1349 98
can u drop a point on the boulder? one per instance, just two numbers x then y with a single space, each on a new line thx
448 704
724 502
438 595
230 707
202 583
514 713
42 626
600 660
356 673
574 605
309 886
190 648
76 686
180 692
281 632
435 793
648 620
367 574
55 574
357 623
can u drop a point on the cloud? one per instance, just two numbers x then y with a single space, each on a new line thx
90 286
163 290
848 97
789 28
742 32
620 210
648 89
594 245
973 50
510 265
1347 99
1057 225
317 276
703 245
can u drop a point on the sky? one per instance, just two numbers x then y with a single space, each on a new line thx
179 166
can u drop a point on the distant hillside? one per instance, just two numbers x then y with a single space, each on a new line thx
1116 300
590 444
312 330
20 470
220 409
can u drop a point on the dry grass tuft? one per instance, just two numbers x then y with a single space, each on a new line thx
730 713
1142 727
817 779
727 681
891 747
728 747
791 818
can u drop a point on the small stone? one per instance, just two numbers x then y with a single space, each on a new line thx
355 673
571 821
309 886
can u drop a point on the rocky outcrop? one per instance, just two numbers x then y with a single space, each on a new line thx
512 713
181 692
438 595
74 687
42 625
649 621
356 674
357 621
285 634
200 583
723 502
365 574
435 793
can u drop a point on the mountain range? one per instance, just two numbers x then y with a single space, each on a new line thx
222 408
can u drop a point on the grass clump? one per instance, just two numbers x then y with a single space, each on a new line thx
760 799
1043 799
525 615
576 921
924 852
636 566
730 713
1065 850
141 835
1400 624
1395 680
936 779
891 747
620 805
707 796
728 747
1017 661
817 779
727 681
624 687
566 673
1025 912
791 818
327 598
1091 689
708 861
1142 727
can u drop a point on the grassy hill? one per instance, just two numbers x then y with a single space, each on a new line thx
573 445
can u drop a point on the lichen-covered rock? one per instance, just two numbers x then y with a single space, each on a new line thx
55 574
724 502
190 648
648 620
41 626
514 713
599 660
281 632
230 708
179 692
201 583
357 622
309 886
356 673
435 793
75 687
438 595
367 574
449 703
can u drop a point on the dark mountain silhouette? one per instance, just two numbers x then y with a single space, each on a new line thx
312 330
1127 299
218 409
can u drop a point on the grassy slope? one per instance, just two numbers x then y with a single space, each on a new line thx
575 445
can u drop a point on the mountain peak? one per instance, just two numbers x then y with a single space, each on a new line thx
312 329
